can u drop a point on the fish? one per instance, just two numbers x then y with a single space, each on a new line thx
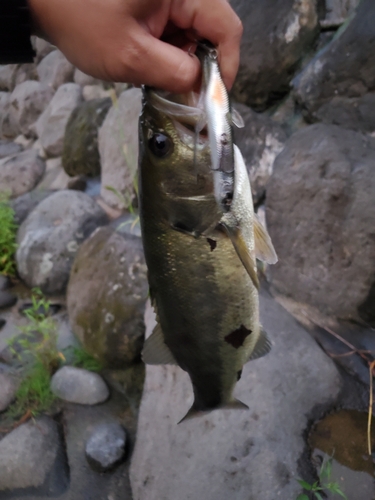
201 262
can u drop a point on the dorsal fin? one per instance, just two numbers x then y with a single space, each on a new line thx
156 351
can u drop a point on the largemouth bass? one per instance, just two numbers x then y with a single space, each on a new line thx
201 262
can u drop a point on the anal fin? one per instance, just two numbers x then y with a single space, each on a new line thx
155 350
264 249
235 404
262 347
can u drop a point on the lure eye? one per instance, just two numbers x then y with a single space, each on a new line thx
160 145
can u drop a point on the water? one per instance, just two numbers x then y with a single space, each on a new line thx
343 435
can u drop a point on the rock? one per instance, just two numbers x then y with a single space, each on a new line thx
106 446
80 153
42 48
79 386
276 37
118 148
8 148
50 236
337 86
83 79
27 101
26 72
4 282
337 11
107 314
7 299
21 172
95 92
8 76
320 216
260 141
8 389
3 322
127 224
51 124
26 203
5 129
54 70
256 452
31 456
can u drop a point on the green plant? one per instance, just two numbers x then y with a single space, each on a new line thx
8 230
323 485
83 359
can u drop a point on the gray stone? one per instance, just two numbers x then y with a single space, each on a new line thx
79 386
95 92
8 148
321 219
51 124
337 11
106 297
8 76
28 456
106 446
237 454
26 72
260 141
8 128
7 299
21 172
83 79
4 282
42 48
24 204
118 148
50 236
27 101
276 37
54 70
337 86
8 388
80 153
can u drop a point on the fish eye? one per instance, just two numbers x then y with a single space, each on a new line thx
160 145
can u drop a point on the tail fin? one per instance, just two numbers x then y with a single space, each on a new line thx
235 404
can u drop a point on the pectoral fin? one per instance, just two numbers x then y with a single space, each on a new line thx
262 347
242 252
235 118
264 249
155 350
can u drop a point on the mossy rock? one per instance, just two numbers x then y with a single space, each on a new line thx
80 153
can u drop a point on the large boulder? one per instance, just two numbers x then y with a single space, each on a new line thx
50 126
21 172
106 296
321 218
54 70
234 454
276 37
81 153
24 204
27 101
338 85
50 236
118 148
260 141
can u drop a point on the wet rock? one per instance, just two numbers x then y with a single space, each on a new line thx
42 48
79 386
257 452
276 37
80 153
337 86
26 203
8 389
7 299
260 141
106 446
54 70
320 216
118 147
83 79
8 148
8 76
27 101
31 457
50 236
21 172
51 124
107 314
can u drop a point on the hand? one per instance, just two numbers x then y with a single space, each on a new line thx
141 41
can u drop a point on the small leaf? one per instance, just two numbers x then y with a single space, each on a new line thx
302 497
318 495
305 485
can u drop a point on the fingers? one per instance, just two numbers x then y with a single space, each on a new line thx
216 21
154 62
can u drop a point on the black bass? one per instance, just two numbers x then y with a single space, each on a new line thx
199 259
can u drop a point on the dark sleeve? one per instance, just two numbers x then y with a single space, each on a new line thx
15 31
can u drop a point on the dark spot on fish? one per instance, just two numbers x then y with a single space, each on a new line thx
239 373
224 139
227 201
212 244
237 337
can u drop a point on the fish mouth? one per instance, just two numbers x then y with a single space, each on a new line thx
186 112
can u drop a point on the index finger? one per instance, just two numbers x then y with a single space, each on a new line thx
216 21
